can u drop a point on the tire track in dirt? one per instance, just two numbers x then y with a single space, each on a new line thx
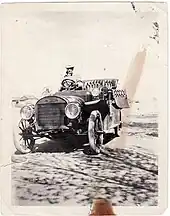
126 176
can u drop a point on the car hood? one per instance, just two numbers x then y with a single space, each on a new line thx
82 95
70 99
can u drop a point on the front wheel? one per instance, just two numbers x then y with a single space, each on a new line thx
23 137
95 131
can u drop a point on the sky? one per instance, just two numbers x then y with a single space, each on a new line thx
100 41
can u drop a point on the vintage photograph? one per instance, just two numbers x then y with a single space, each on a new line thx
84 98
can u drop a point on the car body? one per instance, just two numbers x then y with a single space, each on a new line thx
90 108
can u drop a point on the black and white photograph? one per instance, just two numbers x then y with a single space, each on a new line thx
83 83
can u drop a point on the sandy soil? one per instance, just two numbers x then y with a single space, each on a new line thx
127 176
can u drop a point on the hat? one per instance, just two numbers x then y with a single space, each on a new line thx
69 67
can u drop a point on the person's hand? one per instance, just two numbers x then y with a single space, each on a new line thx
101 207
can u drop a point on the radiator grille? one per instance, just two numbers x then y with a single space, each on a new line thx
50 115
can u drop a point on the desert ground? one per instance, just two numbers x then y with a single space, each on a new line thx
128 176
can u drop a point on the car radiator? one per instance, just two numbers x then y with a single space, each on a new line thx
50 115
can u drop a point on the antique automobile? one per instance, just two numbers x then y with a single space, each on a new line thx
90 108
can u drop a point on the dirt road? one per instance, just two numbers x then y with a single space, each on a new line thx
126 176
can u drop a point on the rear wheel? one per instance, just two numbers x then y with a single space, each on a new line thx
23 137
95 131
116 129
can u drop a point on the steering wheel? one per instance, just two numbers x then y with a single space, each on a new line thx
68 84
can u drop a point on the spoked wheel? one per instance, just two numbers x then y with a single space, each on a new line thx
23 137
95 131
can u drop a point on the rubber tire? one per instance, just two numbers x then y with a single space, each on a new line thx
95 147
17 142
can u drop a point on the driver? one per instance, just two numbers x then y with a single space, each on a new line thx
69 73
